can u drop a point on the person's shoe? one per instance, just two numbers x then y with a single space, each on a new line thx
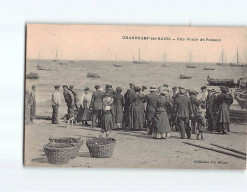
202 137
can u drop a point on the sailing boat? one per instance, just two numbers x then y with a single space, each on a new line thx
207 68
38 65
164 63
222 60
189 65
115 64
62 63
55 57
140 61
238 62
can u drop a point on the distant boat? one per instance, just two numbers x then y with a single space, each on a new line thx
62 63
92 75
208 68
48 69
189 65
116 64
220 82
140 61
32 75
184 77
238 62
222 61
164 63
72 61
40 67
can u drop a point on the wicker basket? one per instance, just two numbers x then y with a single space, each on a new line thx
59 153
101 147
77 142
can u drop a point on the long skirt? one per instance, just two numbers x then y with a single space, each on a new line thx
161 123
33 109
107 122
138 117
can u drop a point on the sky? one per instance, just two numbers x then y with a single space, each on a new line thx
108 42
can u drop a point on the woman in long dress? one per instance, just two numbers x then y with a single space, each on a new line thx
224 101
118 102
84 111
161 125
107 115
138 109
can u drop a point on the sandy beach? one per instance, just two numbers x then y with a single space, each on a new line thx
136 149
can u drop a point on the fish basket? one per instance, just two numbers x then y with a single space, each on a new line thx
59 153
75 142
101 147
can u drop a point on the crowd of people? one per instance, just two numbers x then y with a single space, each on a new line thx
159 111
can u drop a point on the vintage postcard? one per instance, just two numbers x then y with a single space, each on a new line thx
125 96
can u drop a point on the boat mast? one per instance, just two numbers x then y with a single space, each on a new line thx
164 58
56 53
237 56
190 57
61 54
139 55
222 56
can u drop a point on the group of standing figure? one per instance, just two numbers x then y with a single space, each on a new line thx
159 111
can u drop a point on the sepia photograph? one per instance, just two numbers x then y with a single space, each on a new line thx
135 96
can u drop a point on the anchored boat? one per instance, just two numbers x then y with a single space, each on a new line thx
181 76
220 82
92 75
32 75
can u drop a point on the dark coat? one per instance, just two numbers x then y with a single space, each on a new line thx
111 92
137 117
183 106
118 103
69 98
97 100
195 105
224 101
160 120
210 104
151 105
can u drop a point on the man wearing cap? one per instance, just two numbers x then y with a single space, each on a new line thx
183 110
129 98
70 100
56 101
96 106
224 101
109 90
210 111
151 107
195 109
71 88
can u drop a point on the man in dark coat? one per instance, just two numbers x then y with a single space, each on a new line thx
210 112
33 105
71 88
70 101
184 111
96 106
109 90
151 107
195 109
129 98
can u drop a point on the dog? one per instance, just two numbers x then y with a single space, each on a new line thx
67 120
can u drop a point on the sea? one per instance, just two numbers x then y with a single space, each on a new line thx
74 72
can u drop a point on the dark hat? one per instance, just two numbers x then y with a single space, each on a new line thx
203 87
97 86
86 89
152 88
175 88
34 86
71 86
109 86
144 87
165 85
136 88
57 86
132 84
106 85
193 91
65 86
182 90
224 89
181 87
119 89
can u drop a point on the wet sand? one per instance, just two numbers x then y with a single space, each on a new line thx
136 149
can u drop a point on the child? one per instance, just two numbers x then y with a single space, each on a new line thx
201 123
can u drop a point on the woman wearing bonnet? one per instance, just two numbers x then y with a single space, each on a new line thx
161 125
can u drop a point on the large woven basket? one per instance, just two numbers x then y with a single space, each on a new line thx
76 142
59 153
101 147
